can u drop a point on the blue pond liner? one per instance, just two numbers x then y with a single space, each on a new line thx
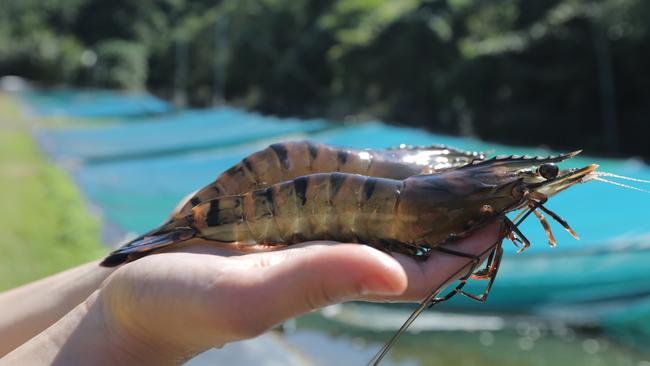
170 134
137 172
93 103
139 194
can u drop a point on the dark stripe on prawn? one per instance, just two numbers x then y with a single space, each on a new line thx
369 187
281 152
342 157
336 182
212 217
217 216
300 187
313 150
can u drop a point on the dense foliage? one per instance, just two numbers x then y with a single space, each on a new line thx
555 72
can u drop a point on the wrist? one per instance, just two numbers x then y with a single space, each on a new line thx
81 337
89 336
128 345
31 309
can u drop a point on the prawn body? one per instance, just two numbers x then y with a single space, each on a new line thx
406 216
410 216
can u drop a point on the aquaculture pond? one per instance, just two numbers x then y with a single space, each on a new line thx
584 302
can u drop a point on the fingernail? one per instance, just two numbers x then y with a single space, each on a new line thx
378 287
386 283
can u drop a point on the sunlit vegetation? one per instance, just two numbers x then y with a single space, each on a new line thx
564 73
45 225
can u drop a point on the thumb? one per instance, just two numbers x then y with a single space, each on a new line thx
303 279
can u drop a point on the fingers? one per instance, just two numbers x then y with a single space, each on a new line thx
422 277
441 269
298 280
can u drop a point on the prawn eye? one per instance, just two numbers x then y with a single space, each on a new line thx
548 171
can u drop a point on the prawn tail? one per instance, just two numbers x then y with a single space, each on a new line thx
147 244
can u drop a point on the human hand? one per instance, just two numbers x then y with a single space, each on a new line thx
167 307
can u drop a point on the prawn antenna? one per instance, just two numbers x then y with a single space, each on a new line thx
623 185
606 174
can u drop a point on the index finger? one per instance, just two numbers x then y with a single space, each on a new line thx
440 268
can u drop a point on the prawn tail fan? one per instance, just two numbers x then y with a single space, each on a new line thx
147 244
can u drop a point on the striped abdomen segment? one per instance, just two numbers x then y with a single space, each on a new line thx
285 161
336 206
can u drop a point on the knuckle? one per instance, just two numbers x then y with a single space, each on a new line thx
318 297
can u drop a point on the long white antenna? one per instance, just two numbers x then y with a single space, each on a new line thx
606 174
620 184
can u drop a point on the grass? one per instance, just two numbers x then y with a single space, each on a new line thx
44 223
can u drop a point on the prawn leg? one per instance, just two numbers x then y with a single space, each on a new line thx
512 228
547 228
560 220
432 299
488 273
491 274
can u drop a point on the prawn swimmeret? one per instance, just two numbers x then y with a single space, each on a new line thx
409 200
